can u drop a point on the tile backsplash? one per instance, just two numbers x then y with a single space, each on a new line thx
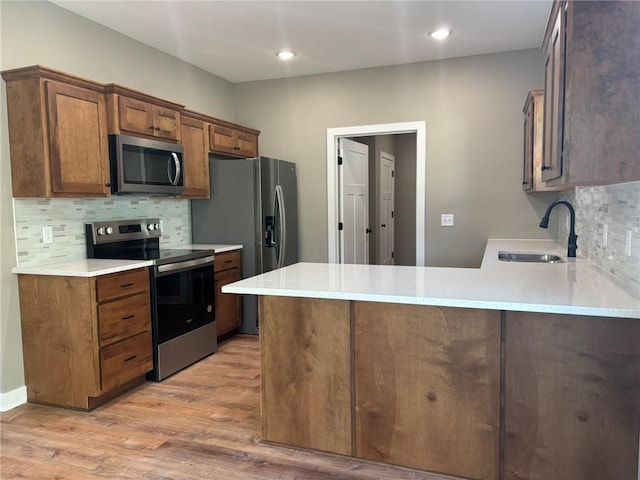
67 217
616 210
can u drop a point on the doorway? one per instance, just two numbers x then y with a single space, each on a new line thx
333 189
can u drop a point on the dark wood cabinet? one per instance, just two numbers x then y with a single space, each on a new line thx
427 387
533 133
195 155
592 100
227 269
572 397
57 134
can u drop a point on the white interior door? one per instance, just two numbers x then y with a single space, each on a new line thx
386 209
354 201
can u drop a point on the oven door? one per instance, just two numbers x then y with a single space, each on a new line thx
183 295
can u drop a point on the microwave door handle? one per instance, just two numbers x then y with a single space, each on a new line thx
176 163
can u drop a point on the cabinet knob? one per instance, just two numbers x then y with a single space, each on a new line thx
545 167
582 416
157 128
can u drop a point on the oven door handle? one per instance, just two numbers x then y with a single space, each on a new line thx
187 265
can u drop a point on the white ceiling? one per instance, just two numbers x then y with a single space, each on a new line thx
237 40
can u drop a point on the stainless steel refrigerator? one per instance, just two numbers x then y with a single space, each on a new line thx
254 202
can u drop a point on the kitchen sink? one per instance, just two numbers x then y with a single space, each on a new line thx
529 257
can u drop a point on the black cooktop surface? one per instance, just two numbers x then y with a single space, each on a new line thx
161 256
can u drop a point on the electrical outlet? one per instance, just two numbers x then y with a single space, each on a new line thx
47 235
605 235
446 220
627 248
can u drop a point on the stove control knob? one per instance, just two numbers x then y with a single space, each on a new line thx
109 230
151 226
101 231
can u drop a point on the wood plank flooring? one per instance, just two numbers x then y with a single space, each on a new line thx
202 423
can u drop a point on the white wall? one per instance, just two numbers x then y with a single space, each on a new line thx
42 33
473 110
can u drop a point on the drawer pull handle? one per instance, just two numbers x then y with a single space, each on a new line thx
431 396
228 261
582 416
130 358
125 285
128 317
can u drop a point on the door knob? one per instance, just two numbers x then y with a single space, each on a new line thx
368 230
384 225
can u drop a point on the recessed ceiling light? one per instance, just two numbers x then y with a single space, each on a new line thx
440 34
285 54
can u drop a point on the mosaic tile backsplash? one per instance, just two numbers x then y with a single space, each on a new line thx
615 208
67 216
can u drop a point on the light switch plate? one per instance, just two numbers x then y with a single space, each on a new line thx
446 220
47 235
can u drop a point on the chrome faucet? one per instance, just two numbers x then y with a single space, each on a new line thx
573 238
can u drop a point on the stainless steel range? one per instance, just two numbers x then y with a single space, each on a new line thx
182 290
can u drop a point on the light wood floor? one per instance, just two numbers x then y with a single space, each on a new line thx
202 423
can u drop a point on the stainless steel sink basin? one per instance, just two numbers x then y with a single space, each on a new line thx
529 257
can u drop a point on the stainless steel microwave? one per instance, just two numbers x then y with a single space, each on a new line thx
145 167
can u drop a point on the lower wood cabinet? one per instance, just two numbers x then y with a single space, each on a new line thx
85 339
427 387
572 397
227 269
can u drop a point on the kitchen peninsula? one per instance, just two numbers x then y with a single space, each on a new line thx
512 370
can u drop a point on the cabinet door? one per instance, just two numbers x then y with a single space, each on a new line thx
228 306
166 123
196 158
77 121
247 144
554 100
427 387
572 398
135 116
222 139
527 175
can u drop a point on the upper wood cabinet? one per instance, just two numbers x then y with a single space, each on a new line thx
134 112
193 132
592 101
233 140
533 124
57 134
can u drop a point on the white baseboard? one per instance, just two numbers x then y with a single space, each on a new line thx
12 399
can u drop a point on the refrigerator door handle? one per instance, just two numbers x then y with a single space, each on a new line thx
281 225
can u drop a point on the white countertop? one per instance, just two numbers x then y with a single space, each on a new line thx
577 286
89 267
93 267
216 247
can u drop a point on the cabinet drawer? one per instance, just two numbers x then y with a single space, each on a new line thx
123 318
126 360
121 284
227 260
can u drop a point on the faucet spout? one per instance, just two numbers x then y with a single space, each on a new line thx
572 243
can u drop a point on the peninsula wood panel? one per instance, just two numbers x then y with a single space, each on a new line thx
572 400
305 347
427 387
